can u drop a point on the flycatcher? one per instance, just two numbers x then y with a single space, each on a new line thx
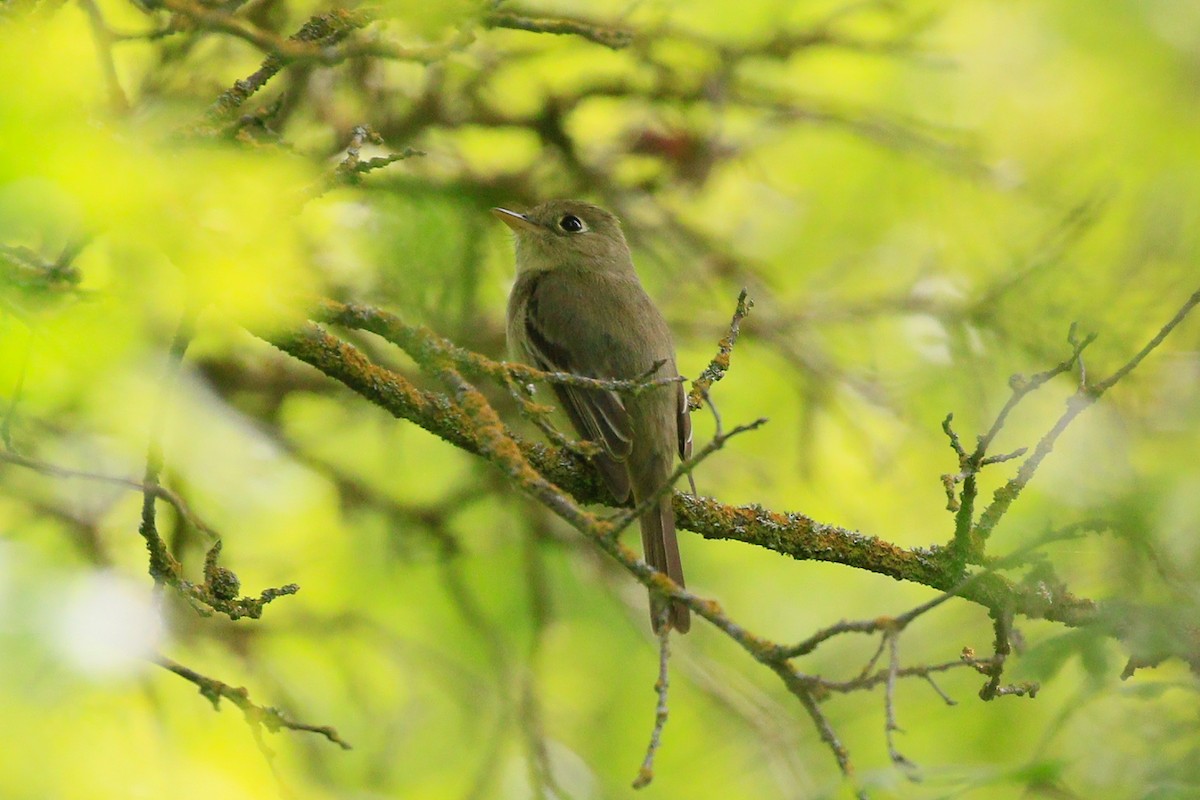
578 307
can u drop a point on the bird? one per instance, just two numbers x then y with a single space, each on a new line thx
578 307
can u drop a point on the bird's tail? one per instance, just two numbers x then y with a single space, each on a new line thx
662 553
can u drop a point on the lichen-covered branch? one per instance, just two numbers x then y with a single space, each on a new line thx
792 534
548 474
219 591
717 368
322 30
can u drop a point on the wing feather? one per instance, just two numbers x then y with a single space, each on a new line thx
598 415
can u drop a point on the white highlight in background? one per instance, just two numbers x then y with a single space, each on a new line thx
106 625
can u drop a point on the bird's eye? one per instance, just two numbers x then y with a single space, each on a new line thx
571 224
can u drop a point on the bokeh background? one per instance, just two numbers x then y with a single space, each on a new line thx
921 197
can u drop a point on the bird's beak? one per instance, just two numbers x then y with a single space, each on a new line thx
518 222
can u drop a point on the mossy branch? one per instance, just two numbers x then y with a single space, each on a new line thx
561 479
788 533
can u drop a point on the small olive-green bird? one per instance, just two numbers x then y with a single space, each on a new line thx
578 307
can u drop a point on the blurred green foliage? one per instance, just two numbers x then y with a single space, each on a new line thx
921 197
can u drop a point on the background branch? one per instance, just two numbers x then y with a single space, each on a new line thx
914 218
265 717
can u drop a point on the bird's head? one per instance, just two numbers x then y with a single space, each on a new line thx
567 233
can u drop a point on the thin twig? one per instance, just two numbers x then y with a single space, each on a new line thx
540 765
163 566
352 166
158 490
539 415
646 772
26 267
1101 387
969 538
272 719
874 659
717 368
890 727
10 413
880 677
423 344
220 588
104 41
1085 396
947 699
625 518
323 30
802 688
613 38
812 642
298 51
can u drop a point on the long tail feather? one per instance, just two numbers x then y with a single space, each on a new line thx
662 552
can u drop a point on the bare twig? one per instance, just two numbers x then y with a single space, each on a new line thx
885 625
1100 387
613 38
293 50
890 727
802 687
158 490
352 166
812 642
541 770
646 772
1085 396
104 41
539 415
947 699
880 677
272 719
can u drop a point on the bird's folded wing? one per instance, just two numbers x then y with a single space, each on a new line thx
598 415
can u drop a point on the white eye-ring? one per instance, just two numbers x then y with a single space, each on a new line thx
572 224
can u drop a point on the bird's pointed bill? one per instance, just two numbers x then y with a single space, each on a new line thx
518 222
